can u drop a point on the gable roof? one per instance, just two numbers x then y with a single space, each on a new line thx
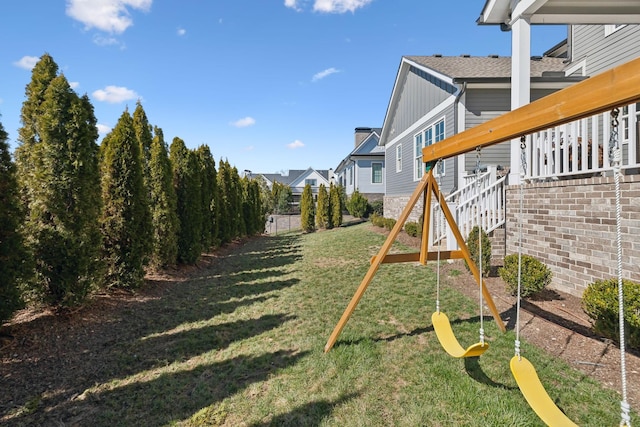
455 70
466 67
294 175
363 150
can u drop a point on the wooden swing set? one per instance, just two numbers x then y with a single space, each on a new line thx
607 91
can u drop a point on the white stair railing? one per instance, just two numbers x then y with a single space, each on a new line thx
464 203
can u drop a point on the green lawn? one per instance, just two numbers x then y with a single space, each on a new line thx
244 346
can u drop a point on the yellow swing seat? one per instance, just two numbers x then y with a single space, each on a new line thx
535 394
448 340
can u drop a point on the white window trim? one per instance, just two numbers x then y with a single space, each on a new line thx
398 158
381 173
423 132
612 28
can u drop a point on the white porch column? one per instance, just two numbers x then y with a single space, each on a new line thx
520 82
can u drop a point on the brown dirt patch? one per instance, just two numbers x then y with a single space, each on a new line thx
553 321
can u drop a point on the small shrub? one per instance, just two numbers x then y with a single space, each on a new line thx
389 223
534 275
600 302
472 244
411 228
377 207
377 220
357 205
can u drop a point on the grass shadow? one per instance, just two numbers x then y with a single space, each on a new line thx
311 414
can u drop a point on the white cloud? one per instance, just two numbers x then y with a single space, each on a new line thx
322 74
249 148
295 144
115 94
103 129
74 85
105 41
293 4
339 6
27 62
243 123
111 16
182 31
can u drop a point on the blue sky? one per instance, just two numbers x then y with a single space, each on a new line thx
270 85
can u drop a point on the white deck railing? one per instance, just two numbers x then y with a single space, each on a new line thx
581 148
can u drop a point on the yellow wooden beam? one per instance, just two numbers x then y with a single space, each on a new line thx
415 256
613 88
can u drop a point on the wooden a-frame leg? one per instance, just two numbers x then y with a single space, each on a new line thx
375 264
467 256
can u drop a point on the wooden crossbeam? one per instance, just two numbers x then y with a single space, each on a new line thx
415 257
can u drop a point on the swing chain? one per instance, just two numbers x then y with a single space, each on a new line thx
523 156
615 155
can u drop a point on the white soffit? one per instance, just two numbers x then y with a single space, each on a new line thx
562 11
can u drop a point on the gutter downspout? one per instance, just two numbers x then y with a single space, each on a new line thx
456 130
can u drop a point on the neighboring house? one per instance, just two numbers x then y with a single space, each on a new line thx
297 179
435 97
363 168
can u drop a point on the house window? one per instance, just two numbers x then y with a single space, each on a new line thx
376 173
350 176
311 182
430 135
399 158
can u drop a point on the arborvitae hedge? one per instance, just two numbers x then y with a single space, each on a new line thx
323 218
59 180
164 215
336 205
12 253
307 209
208 185
126 219
187 184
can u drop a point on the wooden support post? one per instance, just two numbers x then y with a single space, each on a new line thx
373 268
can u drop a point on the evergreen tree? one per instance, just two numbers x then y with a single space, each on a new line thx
145 138
323 218
240 228
186 181
307 209
59 180
208 184
259 213
281 197
12 251
164 216
126 219
337 206
225 230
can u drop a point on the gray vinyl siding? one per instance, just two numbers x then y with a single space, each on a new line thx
364 184
602 52
417 97
402 183
483 105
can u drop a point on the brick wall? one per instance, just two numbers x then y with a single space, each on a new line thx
571 227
